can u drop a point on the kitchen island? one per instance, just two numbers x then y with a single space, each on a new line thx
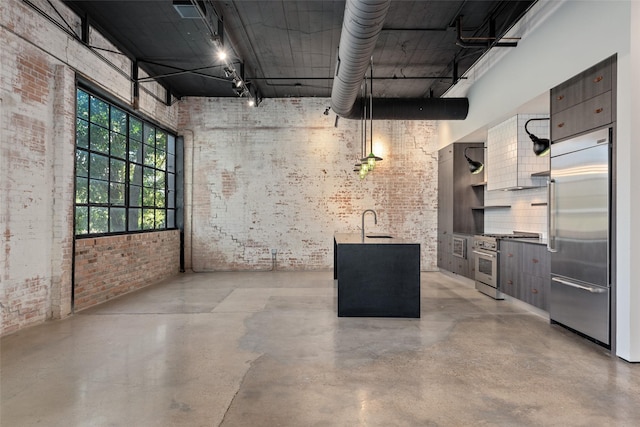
378 276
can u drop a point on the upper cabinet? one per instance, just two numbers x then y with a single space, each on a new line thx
511 161
584 102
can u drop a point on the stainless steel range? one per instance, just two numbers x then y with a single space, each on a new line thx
486 248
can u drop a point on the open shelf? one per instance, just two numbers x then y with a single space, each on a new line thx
542 173
479 184
477 208
539 204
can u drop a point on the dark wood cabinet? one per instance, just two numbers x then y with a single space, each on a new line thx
536 274
584 102
525 272
591 82
509 268
458 192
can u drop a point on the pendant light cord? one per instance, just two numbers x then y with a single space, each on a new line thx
371 105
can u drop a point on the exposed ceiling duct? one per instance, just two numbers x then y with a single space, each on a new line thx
363 21
413 109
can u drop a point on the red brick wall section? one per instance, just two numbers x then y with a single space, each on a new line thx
107 267
38 67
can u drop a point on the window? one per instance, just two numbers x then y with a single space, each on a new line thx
125 171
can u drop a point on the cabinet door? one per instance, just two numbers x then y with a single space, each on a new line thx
532 290
444 250
509 265
460 266
471 259
592 82
588 115
535 260
445 190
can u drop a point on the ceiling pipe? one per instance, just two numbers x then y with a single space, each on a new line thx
363 21
413 109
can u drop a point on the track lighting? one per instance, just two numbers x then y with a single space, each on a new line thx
541 146
474 167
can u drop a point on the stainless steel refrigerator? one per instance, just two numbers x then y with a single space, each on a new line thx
579 237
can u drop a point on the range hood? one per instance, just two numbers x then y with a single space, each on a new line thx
511 163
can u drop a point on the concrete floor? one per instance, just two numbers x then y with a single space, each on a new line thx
266 349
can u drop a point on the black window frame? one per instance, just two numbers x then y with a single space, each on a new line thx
115 210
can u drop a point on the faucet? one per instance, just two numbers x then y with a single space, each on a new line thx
375 218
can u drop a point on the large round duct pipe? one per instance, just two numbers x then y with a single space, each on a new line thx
363 20
413 109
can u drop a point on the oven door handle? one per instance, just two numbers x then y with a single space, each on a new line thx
484 254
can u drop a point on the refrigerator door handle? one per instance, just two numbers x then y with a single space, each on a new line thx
550 237
593 290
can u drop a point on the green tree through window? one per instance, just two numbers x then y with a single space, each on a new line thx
125 171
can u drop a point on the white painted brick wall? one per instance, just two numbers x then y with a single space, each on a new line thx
280 176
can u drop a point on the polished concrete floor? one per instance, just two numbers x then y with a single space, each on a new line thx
266 349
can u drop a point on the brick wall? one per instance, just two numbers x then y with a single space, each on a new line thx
38 66
107 267
280 176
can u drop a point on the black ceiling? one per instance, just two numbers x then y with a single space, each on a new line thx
288 48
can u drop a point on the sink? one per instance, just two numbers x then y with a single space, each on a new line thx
379 236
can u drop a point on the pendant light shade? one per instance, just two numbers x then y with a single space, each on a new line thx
474 166
371 160
541 146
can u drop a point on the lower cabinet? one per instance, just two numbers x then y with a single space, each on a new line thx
525 272
464 266
510 268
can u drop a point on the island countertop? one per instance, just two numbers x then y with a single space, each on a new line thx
356 239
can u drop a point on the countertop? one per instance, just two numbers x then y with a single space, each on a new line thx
356 239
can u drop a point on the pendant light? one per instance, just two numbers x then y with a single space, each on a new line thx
371 159
474 167
363 167
541 146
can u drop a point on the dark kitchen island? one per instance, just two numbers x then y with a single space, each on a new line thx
379 277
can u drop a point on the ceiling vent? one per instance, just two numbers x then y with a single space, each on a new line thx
188 10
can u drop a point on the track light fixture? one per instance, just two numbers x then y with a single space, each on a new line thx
474 167
541 146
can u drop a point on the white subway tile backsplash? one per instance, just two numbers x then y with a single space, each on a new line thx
522 216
